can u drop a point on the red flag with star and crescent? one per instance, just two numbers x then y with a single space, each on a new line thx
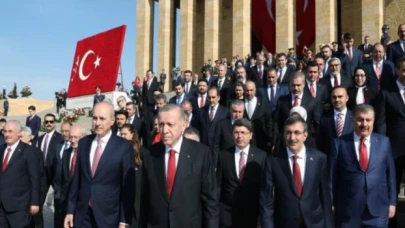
96 62
263 23
305 23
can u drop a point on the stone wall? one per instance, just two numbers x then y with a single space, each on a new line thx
394 15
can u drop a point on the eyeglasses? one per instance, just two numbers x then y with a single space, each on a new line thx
295 133
49 121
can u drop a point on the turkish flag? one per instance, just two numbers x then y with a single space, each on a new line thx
263 23
305 24
96 62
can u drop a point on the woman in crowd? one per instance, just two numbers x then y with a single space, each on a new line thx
360 93
128 132
237 92
299 111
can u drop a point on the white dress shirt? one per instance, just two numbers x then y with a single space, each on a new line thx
360 95
220 82
375 65
176 148
309 85
332 79
401 90
50 134
401 43
180 99
104 141
203 96
131 119
301 160
190 117
335 116
237 157
282 73
299 99
269 90
253 104
357 145
13 147
63 149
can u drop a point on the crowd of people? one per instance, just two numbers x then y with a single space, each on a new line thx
312 141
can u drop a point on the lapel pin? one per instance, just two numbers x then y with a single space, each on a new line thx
188 156
136 168
252 155
311 159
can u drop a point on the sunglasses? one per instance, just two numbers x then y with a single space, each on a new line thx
49 121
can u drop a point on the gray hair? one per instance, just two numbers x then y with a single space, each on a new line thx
237 102
363 108
296 119
82 129
186 102
298 75
26 131
110 107
334 59
161 97
243 123
172 107
17 124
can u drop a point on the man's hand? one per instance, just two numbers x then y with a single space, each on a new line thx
34 210
68 221
122 226
392 211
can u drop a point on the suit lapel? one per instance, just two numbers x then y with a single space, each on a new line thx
160 166
258 105
352 151
107 153
348 122
309 173
285 166
332 125
373 150
15 156
66 154
397 96
87 157
184 166
232 166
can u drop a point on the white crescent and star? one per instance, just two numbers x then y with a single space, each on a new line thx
96 64
270 9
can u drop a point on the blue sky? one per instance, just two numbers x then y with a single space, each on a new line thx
38 39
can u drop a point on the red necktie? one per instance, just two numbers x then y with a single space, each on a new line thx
312 89
260 72
201 101
171 172
378 70
363 157
296 101
336 81
350 54
5 161
212 114
73 163
297 176
242 165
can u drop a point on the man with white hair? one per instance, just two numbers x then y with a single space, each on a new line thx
335 77
20 179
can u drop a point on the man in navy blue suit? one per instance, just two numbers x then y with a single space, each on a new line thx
34 122
396 50
336 123
362 175
273 90
98 97
353 54
102 188
180 94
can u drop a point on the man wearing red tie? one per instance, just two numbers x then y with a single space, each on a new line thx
362 175
180 187
294 191
101 192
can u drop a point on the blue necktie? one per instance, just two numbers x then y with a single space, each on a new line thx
65 146
271 92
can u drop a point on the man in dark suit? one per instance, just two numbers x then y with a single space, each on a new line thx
208 77
270 63
193 119
20 179
259 113
210 117
380 73
335 74
5 106
136 121
390 119
102 189
366 48
200 101
163 77
362 175
259 72
34 122
294 191
273 90
179 183
337 123
317 90
239 175
98 97
396 50
223 85
148 87
284 72
180 94
223 132
189 88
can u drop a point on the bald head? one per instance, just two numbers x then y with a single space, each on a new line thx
103 118
76 133
250 90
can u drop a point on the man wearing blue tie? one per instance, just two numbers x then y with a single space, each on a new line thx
362 175
180 94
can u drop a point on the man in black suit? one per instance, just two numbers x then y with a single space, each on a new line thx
149 86
380 73
295 192
396 50
5 106
223 85
179 183
239 175
259 72
180 94
270 63
284 72
366 48
223 132
273 90
317 90
98 97
121 118
193 119
337 123
352 54
390 118
208 77
162 78
20 179
336 78
200 101
134 119
34 122
211 116
189 88
258 112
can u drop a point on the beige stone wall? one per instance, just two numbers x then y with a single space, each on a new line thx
187 34
211 29
241 27
199 37
372 19
284 25
352 20
226 30
144 36
326 23
393 16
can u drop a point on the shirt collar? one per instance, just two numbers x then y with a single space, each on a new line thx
105 138
299 96
50 133
13 146
253 99
357 138
274 86
176 146
400 86
344 111
238 150
380 62
215 107
309 82
301 154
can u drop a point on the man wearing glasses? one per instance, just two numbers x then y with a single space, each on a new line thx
298 177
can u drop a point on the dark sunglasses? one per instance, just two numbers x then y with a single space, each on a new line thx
49 121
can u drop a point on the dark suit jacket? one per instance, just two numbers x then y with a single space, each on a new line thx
195 104
281 89
2 139
370 96
287 76
284 208
210 81
367 50
21 181
192 91
388 77
224 92
321 93
207 128
98 98
34 124
195 120
147 94
239 201
173 100
390 118
327 130
223 138
344 81
395 52
111 190
357 60
352 190
66 179
57 184
194 200
138 215
260 82
43 184
269 64
50 165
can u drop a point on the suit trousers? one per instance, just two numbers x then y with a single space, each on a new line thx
20 219
365 220
89 221
37 221
59 214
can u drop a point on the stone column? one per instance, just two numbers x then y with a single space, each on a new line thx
325 22
372 12
211 29
284 25
144 37
187 34
165 40
241 27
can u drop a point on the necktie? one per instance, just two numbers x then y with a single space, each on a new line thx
296 101
312 89
297 176
365 47
73 163
171 172
45 147
339 124
250 109
363 157
220 84
242 165
5 161
350 54
280 74
187 88
260 72
178 100
378 70
97 156
201 101
212 114
336 83
65 147
149 82
271 92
